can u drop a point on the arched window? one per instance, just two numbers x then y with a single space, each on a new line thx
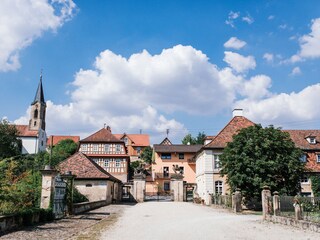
218 187
35 114
35 123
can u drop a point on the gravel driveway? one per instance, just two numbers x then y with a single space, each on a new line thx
171 220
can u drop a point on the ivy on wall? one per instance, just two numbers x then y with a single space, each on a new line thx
315 185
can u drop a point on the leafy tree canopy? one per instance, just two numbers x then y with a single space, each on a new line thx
10 145
146 155
189 139
262 156
62 150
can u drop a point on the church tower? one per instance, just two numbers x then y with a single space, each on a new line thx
38 110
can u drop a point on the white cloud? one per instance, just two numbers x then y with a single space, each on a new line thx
284 108
248 19
295 71
24 21
257 87
268 57
138 92
235 43
238 62
270 17
231 17
310 43
283 26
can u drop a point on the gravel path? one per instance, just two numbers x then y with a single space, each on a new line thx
74 227
170 220
161 220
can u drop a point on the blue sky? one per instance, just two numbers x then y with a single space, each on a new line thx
157 65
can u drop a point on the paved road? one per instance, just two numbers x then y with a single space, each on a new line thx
170 220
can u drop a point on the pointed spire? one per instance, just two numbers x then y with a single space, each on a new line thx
39 97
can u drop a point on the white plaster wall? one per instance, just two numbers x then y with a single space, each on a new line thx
97 192
29 145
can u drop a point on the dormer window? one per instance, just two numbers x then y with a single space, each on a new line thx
312 140
125 141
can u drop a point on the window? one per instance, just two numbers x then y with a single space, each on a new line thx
304 179
181 170
95 147
107 148
35 123
84 147
88 185
138 150
165 155
181 155
166 186
118 161
313 140
106 162
218 187
303 158
216 161
125 141
318 158
118 148
165 171
35 115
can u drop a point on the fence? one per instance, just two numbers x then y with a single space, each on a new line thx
298 211
222 200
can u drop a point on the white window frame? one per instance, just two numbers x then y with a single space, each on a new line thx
106 162
84 147
216 163
304 180
107 148
318 158
95 147
218 187
118 163
118 148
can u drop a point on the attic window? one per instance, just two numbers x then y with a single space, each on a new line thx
312 140
126 141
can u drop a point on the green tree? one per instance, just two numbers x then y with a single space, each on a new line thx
262 156
146 155
189 139
61 151
10 145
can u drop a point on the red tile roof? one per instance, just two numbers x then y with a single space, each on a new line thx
57 139
299 137
84 168
232 128
25 132
103 135
141 140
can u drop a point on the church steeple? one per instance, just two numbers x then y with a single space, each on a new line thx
39 97
38 109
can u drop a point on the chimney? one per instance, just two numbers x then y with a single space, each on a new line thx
237 112
109 128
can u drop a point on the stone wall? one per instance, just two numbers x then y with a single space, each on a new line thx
305 225
87 206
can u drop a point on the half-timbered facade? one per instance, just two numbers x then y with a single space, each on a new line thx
108 151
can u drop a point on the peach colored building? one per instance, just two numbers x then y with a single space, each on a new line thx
165 156
135 144
107 151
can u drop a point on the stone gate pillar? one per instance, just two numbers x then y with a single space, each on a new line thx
276 204
237 198
177 187
47 188
265 195
139 187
